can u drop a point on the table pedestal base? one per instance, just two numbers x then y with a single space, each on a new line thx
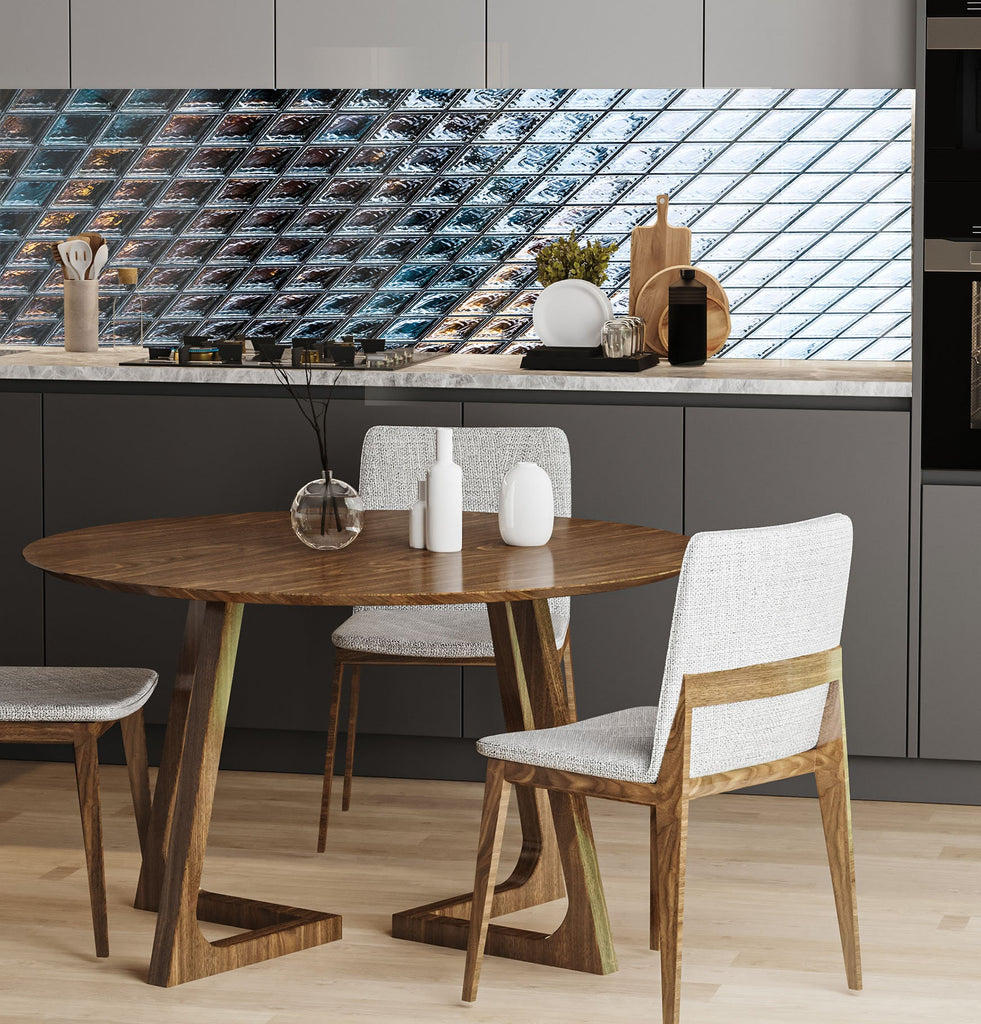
180 818
557 851
273 930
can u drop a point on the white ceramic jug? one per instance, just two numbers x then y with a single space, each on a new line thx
526 512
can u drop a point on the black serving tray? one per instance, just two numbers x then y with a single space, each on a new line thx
585 359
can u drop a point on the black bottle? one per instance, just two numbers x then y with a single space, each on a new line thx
687 320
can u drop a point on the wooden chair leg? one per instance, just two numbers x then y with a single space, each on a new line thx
671 840
352 728
335 709
87 778
836 814
134 744
655 924
570 684
497 792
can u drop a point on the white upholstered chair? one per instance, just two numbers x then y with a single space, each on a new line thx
392 461
751 693
76 706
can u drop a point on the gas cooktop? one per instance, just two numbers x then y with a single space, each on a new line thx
391 359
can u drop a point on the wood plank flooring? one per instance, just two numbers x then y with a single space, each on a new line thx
757 874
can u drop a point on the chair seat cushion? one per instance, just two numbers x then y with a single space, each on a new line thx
614 746
49 694
453 631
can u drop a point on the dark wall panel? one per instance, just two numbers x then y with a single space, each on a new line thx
21 586
758 467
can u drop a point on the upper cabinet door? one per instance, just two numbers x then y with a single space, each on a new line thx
380 44
831 44
180 44
34 44
615 44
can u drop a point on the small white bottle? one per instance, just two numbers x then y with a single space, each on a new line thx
417 518
444 497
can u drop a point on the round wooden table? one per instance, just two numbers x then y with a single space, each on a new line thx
219 564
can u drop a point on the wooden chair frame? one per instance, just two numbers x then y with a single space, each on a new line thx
84 737
669 798
343 658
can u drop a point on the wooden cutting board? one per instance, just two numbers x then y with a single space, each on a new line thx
652 305
654 248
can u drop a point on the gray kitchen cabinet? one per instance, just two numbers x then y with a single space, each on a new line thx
642 44
835 44
181 44
758 467
34 44
21 521
626 466
950 610
379 44
111 458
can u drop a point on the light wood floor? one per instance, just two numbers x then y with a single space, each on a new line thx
757 874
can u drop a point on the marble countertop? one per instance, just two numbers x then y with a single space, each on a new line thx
832 378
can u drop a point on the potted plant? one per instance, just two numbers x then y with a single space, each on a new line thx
572 308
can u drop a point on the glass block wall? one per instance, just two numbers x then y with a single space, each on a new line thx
415 214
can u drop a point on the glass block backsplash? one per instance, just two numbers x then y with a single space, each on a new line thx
415 214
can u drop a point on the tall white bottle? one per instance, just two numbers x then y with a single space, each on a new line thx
444 497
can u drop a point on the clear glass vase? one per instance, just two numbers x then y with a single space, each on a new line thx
327 514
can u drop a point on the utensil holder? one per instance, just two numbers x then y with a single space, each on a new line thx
81 316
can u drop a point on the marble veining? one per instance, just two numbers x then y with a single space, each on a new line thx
831 378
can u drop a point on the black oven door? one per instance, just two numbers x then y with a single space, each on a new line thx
952 100
952 356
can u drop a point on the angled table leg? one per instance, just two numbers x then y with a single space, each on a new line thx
533 696
181 816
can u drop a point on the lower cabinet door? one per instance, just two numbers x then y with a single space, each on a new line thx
758 467
626 466
21 521
950 613
110 458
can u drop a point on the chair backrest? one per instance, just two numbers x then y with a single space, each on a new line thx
746 597
394 458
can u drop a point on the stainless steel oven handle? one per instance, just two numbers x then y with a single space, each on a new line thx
941 254
953 34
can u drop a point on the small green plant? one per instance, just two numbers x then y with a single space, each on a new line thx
565 258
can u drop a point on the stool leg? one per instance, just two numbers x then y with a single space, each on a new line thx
134 744
87 777
335 708
352 728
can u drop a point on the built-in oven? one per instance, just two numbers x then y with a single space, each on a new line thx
951 436
951 295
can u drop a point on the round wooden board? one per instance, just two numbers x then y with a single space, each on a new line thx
718 327
653 302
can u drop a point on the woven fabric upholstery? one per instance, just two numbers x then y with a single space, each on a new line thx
744 597
392 460
431 631
46 694
615 746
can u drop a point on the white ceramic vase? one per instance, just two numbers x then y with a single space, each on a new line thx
526 512
444 497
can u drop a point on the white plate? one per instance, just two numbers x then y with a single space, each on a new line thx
571 314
